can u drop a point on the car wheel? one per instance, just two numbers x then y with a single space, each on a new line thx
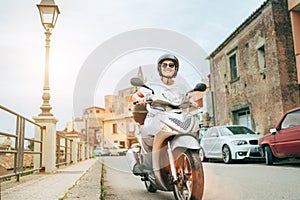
269 156
226 154
202 155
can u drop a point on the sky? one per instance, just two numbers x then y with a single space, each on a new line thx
106 34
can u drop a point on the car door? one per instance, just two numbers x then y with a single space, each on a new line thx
211 143
287 138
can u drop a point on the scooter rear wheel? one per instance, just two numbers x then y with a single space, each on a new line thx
190 178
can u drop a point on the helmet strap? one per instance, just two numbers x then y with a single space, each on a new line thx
169 80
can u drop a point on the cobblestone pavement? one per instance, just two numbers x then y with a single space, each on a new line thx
88 187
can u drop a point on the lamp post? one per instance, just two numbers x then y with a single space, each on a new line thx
48 14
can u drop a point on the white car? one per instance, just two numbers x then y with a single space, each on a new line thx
101 151
230 143
117 151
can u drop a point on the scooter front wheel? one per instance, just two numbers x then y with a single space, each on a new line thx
149 186
190 178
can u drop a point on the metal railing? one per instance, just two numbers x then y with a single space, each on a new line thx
63 150
20 145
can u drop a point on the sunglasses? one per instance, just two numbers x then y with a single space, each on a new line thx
165 65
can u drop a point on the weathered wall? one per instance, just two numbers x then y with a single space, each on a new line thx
269 91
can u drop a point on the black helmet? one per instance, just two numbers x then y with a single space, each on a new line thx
168 57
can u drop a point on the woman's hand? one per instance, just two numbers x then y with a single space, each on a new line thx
193 98
139 98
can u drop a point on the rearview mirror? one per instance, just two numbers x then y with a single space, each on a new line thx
136 82
139 83
200 87
273 131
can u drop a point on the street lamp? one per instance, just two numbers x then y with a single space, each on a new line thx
48 13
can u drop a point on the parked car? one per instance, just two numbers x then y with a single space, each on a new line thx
101 151
283 141
202 131
230 143
117 151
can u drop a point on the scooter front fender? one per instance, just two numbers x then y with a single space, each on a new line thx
179 141
184 141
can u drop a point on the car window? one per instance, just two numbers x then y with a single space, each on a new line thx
240 130
291 120
225 132
211 132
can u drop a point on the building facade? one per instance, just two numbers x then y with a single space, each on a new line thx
119 125
294 9
253 73
89 126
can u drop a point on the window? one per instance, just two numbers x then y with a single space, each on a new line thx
261 59
241 130
122 144
233 67
225 132
115 128
211 132
291 120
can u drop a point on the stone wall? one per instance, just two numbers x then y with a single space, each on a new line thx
267 90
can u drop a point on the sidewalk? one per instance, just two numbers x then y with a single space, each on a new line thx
52 186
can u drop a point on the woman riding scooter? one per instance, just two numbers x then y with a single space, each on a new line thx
167 156
167 66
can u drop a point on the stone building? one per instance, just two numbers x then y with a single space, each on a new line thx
253 73
90 126
118 125
294 9
93 118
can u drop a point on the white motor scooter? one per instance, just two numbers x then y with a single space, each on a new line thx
176 165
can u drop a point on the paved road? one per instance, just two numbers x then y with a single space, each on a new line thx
247 181
120 184
88 186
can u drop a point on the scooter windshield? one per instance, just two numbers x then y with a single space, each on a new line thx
172 97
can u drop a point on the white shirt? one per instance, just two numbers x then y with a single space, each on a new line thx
159 87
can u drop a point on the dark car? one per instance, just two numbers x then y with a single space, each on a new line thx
284 140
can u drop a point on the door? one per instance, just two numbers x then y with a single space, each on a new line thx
287 139
244 119
211 143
